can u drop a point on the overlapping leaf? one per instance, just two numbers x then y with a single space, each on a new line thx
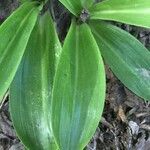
79 90
14 35
76 6
87 3
23 1
126 56
30 92
134 12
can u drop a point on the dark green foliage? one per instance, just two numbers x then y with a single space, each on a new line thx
57 94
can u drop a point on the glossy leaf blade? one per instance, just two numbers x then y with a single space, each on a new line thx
126 56
14 35
76 6
134 12
30 92
40 1
87 3
79 90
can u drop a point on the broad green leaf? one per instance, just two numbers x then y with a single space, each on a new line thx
14 35
30 92
76 6
23 1
79 90
134 12
87 3
126 56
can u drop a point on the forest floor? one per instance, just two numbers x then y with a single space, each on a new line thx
125 124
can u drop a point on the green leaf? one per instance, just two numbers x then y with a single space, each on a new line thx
126 56
30 92
134 12
79 90
23 1
87 3
14 35
76 6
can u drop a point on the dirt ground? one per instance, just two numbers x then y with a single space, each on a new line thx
125 124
